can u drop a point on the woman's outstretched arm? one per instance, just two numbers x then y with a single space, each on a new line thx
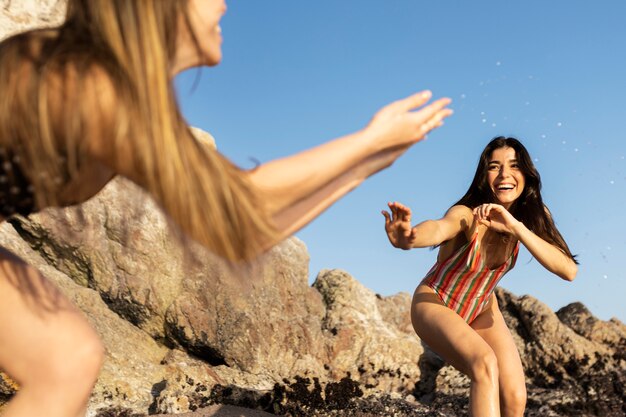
427 233
291 190
551 257
286 183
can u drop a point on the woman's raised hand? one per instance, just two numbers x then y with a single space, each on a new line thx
398 226
399 124
496 217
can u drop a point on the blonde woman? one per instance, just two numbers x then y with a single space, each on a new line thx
93 99
454 309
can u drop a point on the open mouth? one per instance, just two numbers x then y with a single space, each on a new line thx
505 187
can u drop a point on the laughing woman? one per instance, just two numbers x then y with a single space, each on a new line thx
454 309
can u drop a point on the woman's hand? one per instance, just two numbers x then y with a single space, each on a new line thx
496 217
398 226
399 125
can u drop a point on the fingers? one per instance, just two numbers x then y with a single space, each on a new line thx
387 218
484 211
400 212
432 115
411 102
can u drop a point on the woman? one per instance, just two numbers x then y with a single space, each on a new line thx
454 309
93 99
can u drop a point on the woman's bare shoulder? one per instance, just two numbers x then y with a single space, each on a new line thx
459 213
464 216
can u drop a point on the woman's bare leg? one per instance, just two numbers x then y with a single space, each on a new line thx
491 327
46 345
452 338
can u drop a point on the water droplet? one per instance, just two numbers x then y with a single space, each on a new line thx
493 125
611 182
463 96
484 120
608 248
543 136
563 142
605 276
536 159
498 64
575 149
527 103
559 124
482 113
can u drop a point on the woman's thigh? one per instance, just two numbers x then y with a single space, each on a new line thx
39 327
445 332
490 325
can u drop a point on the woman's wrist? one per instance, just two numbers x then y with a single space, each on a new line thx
518 229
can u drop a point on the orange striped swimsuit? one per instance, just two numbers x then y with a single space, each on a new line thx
464 282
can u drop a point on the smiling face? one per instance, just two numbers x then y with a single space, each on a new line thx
504 176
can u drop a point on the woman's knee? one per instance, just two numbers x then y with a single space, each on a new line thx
483 366
73 363
86 357
514 400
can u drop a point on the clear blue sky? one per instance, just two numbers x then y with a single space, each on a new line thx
296 74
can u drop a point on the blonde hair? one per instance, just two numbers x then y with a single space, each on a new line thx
133 43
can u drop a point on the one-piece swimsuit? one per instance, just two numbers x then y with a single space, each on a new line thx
464 282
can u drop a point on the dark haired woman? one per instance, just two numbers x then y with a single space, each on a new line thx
454 310
93 98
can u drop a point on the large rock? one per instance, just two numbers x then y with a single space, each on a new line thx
363 344
19 15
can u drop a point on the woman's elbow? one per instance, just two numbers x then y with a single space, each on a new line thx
570 273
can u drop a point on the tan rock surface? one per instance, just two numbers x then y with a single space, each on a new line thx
19 15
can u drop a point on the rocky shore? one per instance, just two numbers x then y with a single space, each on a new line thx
185 333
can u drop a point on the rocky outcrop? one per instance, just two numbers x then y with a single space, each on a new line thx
203 332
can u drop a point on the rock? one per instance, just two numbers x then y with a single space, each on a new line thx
396 311
612 333
18 16
363 345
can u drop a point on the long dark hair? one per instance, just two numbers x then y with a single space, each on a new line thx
529 207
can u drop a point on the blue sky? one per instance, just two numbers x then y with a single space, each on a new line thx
296 74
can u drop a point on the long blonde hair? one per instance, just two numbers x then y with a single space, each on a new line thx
133 42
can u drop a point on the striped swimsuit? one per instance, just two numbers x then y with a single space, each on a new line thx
464 282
